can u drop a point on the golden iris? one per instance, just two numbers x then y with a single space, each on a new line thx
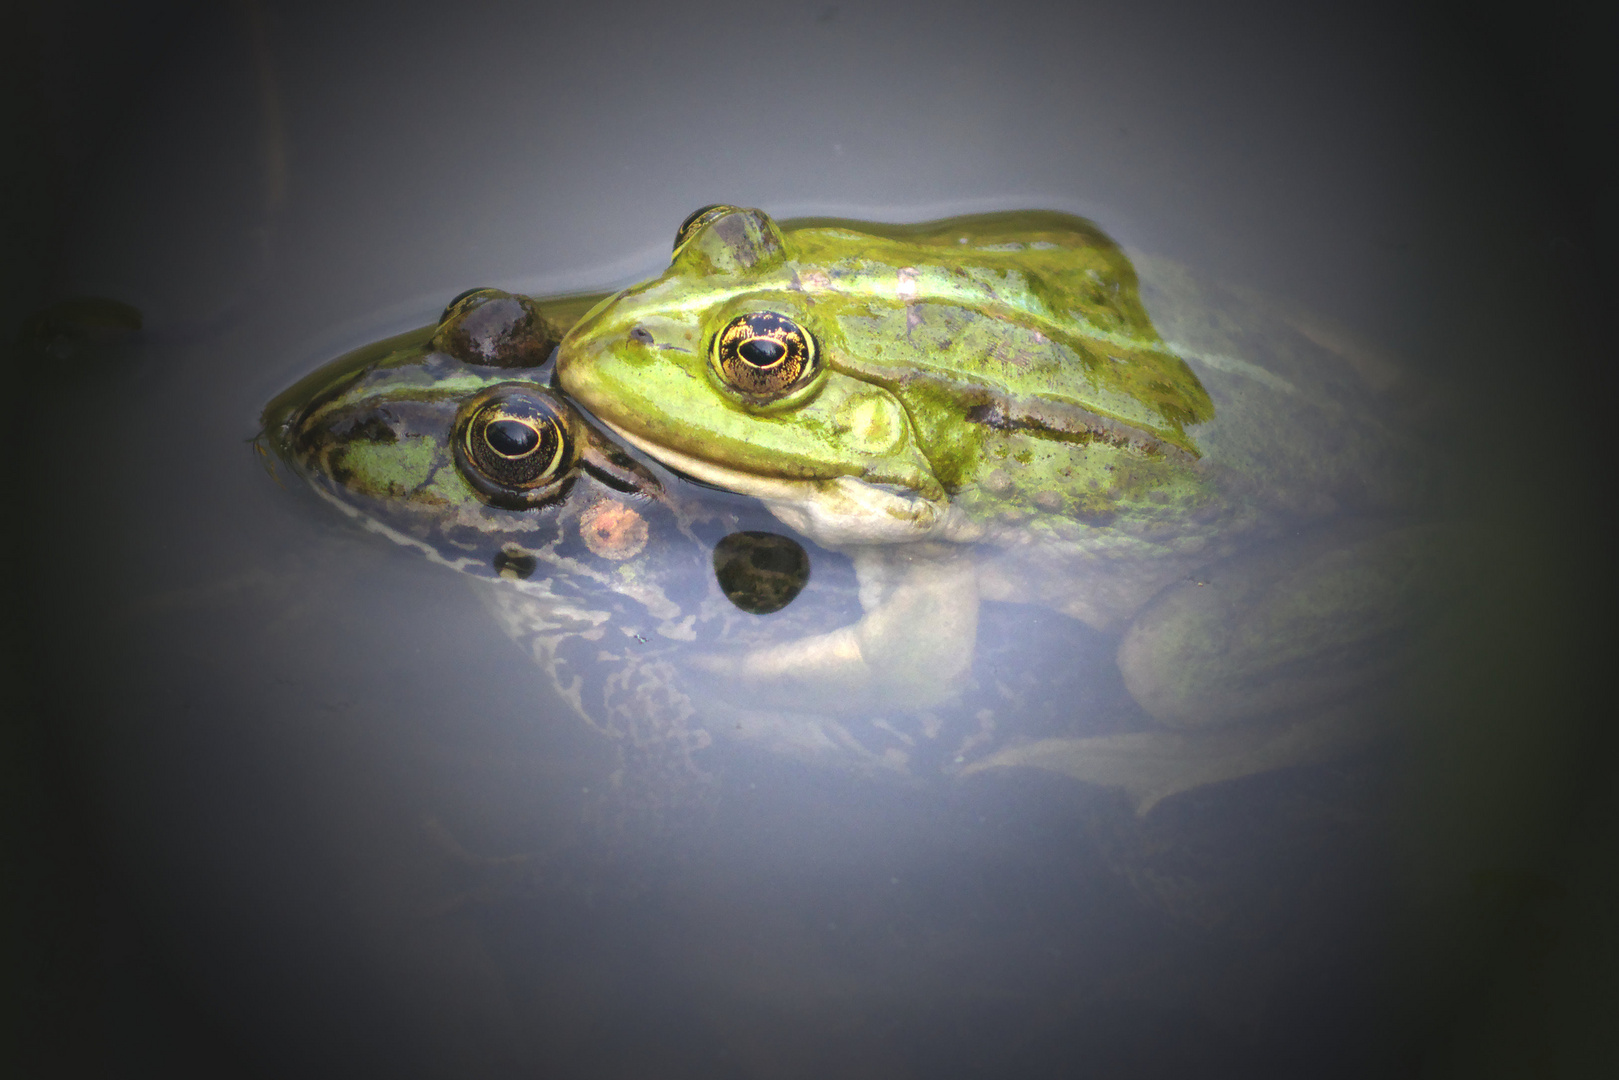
512 440
764 355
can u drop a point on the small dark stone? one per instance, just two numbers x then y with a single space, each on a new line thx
761 572
81 318
515 562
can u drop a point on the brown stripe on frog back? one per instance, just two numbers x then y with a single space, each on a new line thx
1072 424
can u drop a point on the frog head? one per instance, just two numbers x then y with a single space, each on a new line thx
725 368
450 439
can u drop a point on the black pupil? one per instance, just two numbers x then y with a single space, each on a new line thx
511 438
761 352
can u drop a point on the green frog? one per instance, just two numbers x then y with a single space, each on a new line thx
998 409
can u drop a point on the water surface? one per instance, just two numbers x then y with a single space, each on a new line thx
335 821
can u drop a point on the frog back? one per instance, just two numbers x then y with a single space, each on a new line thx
1036 326
1031 314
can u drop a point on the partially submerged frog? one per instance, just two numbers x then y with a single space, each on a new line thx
448 440
981 409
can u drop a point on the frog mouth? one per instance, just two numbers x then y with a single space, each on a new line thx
834 512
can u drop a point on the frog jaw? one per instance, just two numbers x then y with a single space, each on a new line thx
838 512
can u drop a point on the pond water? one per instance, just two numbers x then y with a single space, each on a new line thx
314 811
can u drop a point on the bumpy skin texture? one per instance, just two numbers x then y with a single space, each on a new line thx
954 357
994 416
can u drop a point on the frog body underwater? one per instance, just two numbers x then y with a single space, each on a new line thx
981 409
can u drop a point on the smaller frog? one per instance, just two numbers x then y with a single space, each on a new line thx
610 571
442 437
448 440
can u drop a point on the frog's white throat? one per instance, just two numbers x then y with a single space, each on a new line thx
838 512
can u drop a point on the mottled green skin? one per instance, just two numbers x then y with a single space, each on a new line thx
1033 321
372 432
373 426
331 425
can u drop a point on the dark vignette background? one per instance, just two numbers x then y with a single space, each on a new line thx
1516 117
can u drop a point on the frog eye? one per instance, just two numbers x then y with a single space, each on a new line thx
514 445
764 355
494 328
698 218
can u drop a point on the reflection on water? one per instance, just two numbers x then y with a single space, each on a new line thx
590 816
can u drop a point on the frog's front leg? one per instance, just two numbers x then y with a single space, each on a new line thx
912 649
1266 661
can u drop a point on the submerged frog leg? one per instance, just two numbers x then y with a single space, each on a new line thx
1286 628
912 649
1267 661
624 687
1150 766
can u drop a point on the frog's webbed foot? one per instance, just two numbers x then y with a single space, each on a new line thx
1150 766
911 650
1273 661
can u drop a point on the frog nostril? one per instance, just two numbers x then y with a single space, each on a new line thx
641 334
